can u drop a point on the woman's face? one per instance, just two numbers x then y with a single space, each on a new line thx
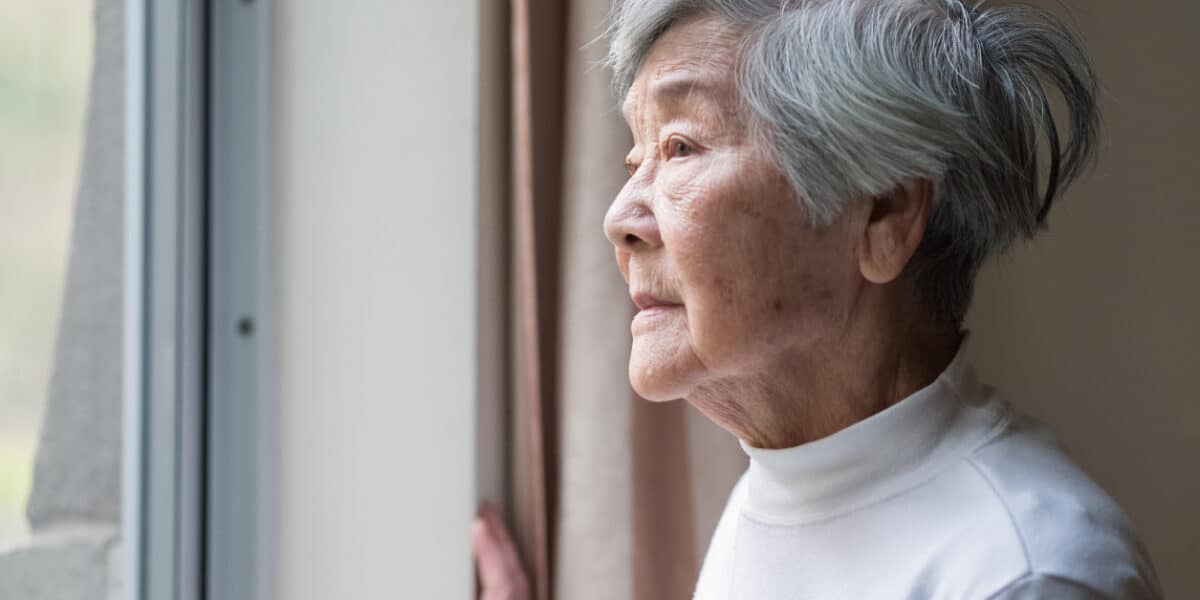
727 274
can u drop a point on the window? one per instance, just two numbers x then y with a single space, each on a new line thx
127 143
61 237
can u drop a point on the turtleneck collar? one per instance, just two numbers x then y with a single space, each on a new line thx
886 453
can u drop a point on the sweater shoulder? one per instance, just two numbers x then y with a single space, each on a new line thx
1068 527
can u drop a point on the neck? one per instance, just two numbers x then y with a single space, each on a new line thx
806 394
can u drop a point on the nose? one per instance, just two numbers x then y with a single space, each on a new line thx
630 223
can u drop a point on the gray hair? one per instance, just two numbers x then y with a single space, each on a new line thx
853 97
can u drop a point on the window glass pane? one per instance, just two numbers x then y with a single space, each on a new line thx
60 296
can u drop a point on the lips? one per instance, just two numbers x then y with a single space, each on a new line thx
646 301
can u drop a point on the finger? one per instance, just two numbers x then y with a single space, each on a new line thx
498 581
496 548
500 571
496 525
487 559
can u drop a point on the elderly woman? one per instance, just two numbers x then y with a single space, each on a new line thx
813 186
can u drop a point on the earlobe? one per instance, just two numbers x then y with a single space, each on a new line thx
894 230
877 258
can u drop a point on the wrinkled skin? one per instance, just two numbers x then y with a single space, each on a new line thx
706 222
777 332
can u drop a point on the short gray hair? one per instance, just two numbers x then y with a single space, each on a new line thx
853 97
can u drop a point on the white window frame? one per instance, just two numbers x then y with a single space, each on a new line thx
201 510
197 509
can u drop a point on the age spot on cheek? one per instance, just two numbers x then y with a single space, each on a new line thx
777 305
724 289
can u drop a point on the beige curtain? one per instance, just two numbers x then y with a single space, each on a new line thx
608 502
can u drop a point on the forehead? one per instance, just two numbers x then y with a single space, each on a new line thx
691 63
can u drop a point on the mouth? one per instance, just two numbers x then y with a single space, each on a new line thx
647 302
653 312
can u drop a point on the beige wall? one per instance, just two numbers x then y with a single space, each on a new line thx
376 136
1095 327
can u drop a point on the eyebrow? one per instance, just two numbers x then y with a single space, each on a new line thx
680 87
674 89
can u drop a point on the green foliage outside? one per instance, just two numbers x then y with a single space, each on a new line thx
45 58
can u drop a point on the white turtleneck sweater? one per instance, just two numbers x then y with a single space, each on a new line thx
946 495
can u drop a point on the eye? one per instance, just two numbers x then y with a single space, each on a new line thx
631 167
679 147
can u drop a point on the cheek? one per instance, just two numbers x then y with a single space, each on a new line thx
739 301
756 280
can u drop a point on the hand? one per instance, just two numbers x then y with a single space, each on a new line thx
500 573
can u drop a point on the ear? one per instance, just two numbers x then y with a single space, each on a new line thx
894 230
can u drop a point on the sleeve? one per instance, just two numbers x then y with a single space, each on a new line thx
1040 586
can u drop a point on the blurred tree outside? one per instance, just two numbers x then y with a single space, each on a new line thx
45 56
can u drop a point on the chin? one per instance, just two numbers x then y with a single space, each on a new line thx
652 393
658 380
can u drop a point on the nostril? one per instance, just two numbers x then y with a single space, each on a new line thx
631 239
